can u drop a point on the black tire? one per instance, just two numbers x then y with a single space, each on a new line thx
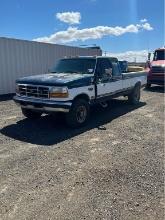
79 113
134 97
28 113
148 86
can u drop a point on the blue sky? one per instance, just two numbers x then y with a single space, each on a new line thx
33 19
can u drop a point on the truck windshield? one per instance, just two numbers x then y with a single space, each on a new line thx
159 55
75 65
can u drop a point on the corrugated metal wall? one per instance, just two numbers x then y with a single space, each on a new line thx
22 58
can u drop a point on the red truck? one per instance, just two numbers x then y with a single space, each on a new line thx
156 68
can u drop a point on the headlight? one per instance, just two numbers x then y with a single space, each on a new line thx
59 92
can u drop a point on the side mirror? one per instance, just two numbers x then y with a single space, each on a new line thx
148 64
108 72
149 56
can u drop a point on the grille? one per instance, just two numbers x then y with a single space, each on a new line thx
33 91
158 69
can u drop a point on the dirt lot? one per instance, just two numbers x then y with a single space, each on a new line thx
112 169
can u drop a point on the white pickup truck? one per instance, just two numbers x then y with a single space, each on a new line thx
74 84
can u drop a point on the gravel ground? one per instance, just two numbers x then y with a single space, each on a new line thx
111 169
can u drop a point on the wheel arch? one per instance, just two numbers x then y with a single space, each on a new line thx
138 84
82 96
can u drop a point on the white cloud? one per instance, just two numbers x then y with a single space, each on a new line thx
69 17
131 56
147 26
98 32
143 20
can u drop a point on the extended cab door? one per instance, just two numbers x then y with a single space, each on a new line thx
108 84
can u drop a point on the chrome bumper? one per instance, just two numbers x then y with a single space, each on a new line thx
42 105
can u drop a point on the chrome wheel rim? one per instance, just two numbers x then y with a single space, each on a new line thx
81 114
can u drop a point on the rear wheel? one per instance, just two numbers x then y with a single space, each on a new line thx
78 114
28 113
134 97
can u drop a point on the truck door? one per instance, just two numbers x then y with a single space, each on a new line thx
108 84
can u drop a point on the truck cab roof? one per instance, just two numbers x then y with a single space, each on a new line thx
92 57
162 48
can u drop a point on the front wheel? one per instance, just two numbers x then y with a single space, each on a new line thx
134 97
78 114
28 113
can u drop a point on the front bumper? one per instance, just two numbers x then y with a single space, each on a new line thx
42 105
156 79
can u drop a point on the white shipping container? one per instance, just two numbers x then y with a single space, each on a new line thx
23 58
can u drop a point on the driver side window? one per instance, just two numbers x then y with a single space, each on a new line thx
102 65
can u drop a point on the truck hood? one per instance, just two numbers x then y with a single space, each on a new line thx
158 62
71 80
